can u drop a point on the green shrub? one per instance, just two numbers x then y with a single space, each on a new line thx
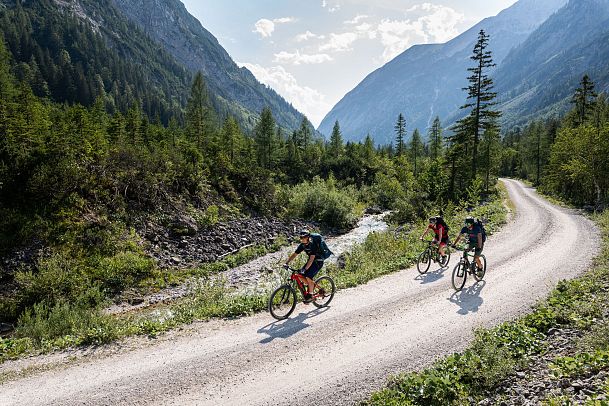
42 322
122 270
321 201
210 217
59 277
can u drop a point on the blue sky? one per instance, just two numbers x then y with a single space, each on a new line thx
313 52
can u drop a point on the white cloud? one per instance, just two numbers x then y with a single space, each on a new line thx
307 36
297 58
309 101
434 23
334 9
265 27
284 20
340 42
366 29
324 3
356 19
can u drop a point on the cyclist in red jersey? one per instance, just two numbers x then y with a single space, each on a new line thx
441 235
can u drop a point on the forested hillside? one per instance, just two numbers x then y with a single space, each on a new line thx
76 51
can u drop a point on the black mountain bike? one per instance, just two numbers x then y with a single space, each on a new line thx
465 266
283 300
432 254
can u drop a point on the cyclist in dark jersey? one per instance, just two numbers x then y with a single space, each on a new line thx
441 236
311 245
475 239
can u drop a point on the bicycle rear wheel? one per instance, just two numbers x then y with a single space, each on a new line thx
324 290
282 302
459 276
424 262
479 274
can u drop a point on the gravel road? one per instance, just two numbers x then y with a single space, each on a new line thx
340 354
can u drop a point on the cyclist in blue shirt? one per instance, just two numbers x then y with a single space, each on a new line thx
475 238
311 244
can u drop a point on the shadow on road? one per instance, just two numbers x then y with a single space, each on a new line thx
431 277
289 327
469 299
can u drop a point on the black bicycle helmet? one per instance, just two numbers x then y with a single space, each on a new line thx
469 220
304 233
433 219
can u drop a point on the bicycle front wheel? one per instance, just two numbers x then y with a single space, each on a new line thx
459 276
424 262
324 290
282 302
479 274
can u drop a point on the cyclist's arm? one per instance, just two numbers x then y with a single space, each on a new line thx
458 239
309 262
291 258
479 240
425 233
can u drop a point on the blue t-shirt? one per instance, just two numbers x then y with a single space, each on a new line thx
312 248
473 233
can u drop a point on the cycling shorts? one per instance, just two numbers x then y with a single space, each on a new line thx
443 243
477 251
314 269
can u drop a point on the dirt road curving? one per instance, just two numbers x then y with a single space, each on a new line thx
340 354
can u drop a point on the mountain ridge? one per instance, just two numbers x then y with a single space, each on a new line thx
435 87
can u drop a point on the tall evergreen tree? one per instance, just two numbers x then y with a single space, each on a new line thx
400 134
264 135
198 114
416 150
304 135
584 99
336 147
436 140
481 100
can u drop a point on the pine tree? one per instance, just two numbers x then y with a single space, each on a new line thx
416 149
481 100
584 99
304 134
336 147
231 135
264 136
198 116
400 131
436 140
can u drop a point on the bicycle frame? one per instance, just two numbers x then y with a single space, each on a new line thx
301 283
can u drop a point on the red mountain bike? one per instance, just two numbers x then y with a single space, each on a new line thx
283 300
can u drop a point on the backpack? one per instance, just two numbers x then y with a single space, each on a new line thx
480 224
324 251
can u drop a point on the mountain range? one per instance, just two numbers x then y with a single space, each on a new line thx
127 50
542 48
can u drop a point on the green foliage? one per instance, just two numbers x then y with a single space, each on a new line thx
42 322
581 364
122 270
210 217
321 201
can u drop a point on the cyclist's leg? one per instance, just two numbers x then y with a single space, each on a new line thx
443 245
477 254
310 274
